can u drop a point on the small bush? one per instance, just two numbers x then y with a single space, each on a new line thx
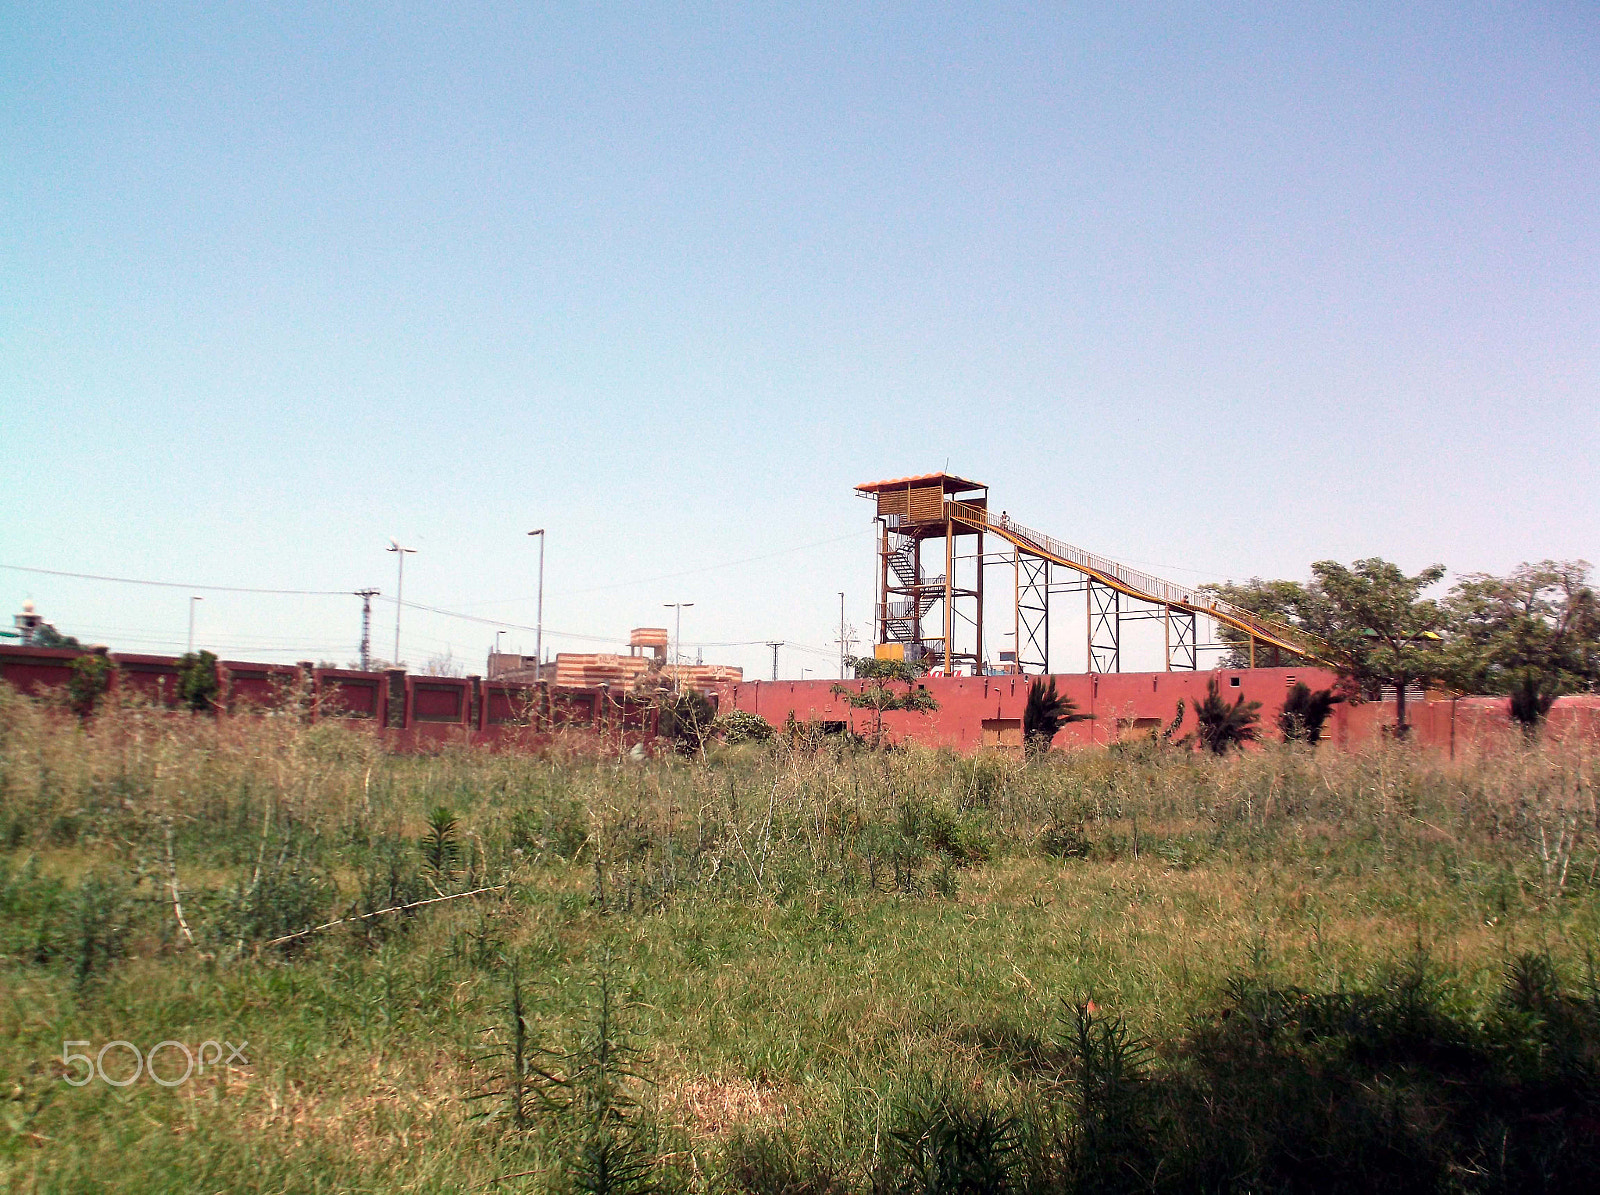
279 899
91 677
1305 713
686 719
738 726
949 1139
772 1163
1062 841
959 839
101 910
197 680
439 846
1219 725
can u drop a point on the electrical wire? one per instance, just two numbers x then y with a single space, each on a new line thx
688 572
51 572
285 645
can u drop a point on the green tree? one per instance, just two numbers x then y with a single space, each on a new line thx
879 693
1279 600
91 677
1046 712
1532 635
47 636
197 680
1375 619
1219 725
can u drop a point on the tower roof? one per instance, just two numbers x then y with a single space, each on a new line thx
948 482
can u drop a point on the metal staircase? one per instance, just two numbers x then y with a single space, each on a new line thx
902 620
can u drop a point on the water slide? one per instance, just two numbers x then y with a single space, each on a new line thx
1142 585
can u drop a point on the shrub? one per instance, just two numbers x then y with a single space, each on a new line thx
739 726
91 677
439 845
686 719
1062 841
959 839
101 910
772 1163
949 1139
278 899
197 680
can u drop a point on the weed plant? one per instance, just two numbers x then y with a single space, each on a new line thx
837 969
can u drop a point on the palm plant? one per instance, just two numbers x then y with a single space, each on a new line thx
1305 712
1219 725
439 845
1046 713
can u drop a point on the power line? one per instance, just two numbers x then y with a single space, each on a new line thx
51 572
689 572
439 610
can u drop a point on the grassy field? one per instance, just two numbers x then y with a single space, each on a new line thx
791 967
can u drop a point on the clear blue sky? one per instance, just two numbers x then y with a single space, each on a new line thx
1222 289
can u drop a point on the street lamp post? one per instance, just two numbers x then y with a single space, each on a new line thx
677 652
538 626
399 590
192 601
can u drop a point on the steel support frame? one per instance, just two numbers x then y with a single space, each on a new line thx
1182 642
1033 612
1105 627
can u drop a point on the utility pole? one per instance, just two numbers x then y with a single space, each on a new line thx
538 625
366 596
841 636
192 601
399 591
774 644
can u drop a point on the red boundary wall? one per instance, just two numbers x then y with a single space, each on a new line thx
975 713
981 712
410 712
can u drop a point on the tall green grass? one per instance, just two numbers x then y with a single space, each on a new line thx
829 969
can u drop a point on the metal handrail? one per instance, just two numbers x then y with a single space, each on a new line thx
1137 583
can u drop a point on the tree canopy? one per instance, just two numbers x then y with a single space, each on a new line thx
1533 635
1530 636
1375 618
1280 600
879 694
